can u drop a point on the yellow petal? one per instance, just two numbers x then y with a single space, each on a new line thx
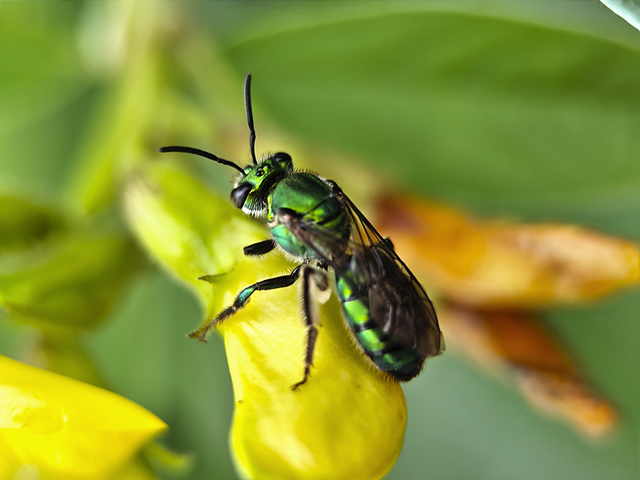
346 422
497 264
65 428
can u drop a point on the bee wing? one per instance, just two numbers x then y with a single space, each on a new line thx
397 301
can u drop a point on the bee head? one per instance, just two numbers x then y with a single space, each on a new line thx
253 188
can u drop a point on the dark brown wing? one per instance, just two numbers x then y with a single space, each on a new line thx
397 302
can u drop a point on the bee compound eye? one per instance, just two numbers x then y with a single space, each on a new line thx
282 158
240 193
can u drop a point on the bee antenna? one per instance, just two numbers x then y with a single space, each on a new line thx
247 106
201 153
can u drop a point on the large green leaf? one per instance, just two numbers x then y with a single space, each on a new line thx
487 111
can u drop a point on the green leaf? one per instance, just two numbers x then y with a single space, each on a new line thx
168 461
627 9
25 224
487 111
113 142
72 283
63 354
41 69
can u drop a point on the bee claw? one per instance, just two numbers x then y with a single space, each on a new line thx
199 335
295 386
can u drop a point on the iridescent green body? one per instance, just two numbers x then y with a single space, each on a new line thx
401 363
313 221
310 199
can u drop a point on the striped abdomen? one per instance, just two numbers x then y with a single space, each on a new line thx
400 362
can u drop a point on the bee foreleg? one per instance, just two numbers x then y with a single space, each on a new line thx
243 298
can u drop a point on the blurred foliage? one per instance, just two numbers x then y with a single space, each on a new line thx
522 109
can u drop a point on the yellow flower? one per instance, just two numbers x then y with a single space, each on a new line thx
59 428
347 421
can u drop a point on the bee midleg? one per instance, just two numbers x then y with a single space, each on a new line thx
243 298
311 315
260 248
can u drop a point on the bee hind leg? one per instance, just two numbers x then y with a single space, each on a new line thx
311 315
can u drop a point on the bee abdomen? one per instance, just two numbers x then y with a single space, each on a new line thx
399 362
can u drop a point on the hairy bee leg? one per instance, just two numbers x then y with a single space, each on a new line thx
311 320
259 248
243 298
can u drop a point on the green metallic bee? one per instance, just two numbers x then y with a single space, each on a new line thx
311 219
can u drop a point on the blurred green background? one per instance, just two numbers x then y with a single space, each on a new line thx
526 110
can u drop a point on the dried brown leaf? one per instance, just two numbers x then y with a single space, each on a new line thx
499 264
516 348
